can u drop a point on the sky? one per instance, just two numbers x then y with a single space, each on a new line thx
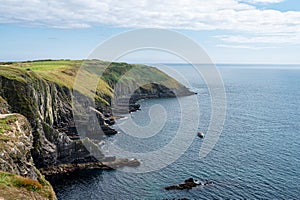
230 31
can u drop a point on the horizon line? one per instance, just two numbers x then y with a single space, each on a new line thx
147 62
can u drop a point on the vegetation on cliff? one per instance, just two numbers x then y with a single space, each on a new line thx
42 92
15 187
19 178
63 73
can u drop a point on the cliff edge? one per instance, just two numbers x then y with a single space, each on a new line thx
37 128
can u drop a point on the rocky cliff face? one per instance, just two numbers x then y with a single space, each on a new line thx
47 106
4 107
19 177
46 102
16 144
39 136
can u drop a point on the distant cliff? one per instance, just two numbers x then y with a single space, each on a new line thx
41 91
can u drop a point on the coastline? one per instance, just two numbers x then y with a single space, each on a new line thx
43 103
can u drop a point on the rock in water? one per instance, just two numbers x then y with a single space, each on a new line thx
188 184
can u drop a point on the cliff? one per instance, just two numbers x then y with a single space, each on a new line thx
47 106
19 178
43 134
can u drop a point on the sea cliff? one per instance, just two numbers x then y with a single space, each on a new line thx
37 123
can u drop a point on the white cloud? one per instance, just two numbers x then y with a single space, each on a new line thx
188 14
252 47
263 1
281 38
237 46
231 15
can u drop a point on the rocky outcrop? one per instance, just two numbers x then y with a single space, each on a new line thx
189 184
106 165
123 103
18 170
15 145
47 106
4 107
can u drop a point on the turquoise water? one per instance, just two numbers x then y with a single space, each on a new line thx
257 155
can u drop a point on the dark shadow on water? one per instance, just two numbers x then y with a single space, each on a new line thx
68 181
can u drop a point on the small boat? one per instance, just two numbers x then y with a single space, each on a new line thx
200 134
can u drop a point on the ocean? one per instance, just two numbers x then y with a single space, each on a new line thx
257 155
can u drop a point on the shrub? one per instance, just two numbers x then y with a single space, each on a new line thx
29 184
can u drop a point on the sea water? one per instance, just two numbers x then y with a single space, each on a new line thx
256 156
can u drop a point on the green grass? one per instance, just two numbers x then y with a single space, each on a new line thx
12 72
64 72
5 124
5 178
17 187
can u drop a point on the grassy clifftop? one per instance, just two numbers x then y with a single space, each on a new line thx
41 91
63 73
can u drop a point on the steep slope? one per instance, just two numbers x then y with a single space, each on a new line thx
47 106
42 92
41 135
19 178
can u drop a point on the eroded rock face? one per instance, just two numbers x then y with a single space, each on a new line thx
15 145
47 106
4 107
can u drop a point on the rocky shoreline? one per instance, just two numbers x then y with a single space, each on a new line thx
41 101
106 165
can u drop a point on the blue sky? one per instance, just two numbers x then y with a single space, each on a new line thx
231 31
